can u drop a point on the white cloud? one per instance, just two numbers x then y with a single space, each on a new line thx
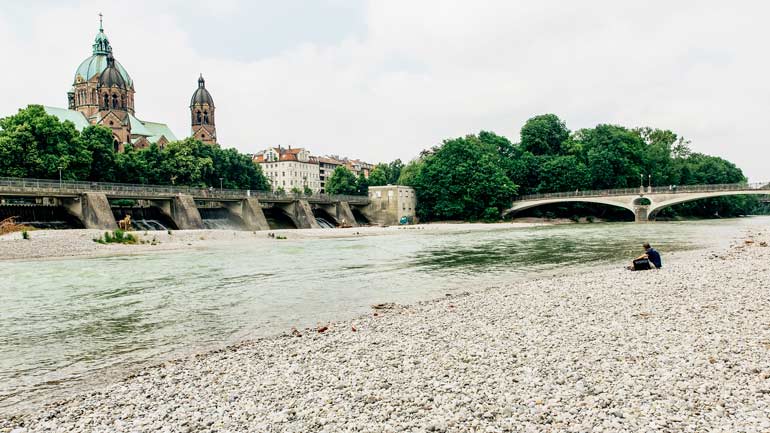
424 71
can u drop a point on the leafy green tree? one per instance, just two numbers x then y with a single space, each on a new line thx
379 175
410 172
462 179
563 173
36 144
614 155
544 135
362 184
296 191
97 140
342 181
308 192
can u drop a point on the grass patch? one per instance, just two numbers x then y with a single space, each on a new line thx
117 237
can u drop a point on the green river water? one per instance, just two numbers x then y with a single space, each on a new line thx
66 325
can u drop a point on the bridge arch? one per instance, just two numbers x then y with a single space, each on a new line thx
668 200
608 201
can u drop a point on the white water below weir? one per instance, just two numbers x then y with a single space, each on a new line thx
148 225
324 224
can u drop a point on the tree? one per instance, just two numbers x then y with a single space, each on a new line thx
97 140
563 173
308 192
296 191
362 184
544 135
379 175
462 179
342 181
35 144
409 173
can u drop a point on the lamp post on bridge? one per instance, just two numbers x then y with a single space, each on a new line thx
649 183
60 167
220 184
641 183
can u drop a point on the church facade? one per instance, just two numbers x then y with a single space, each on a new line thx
103 94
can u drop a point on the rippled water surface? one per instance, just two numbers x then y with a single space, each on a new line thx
62 321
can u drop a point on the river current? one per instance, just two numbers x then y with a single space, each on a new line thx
68 324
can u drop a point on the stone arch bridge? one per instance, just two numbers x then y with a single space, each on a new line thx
644 203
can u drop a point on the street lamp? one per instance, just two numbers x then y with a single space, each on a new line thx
641 183
60 167
649 183
220 184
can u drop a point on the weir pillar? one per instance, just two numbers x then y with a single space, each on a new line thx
92 209
249 213
185 214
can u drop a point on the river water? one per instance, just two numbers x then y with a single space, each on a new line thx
69 324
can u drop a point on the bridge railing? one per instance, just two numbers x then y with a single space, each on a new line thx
15 184
646 190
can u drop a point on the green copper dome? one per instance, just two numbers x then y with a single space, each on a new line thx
97 63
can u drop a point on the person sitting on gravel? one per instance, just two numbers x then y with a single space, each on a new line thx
650 256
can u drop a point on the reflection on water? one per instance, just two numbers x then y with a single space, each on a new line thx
64 320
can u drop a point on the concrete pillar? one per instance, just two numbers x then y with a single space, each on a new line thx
345 214
641 214
249 213
303 215
185 214
92 209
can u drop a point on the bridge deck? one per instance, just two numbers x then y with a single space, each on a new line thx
52 188
649 191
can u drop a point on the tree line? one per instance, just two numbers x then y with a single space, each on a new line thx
467 178
476 177
35 144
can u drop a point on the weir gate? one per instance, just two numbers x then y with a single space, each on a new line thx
97 205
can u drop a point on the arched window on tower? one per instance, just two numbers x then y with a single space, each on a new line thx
106 102
198 116
206 117
114 101
122 102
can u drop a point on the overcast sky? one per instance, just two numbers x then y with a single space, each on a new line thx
385 79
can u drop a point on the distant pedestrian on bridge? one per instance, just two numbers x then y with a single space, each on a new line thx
649 260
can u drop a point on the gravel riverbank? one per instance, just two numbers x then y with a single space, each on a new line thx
45 244
685 348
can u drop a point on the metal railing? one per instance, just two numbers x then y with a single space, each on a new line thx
647 190
44 186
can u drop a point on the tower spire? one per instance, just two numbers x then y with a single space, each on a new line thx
101 27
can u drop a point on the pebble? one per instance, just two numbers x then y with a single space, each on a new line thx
685 348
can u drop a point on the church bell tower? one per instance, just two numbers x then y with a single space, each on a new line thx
202 114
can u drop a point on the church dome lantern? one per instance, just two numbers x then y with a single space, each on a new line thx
201 96
97 63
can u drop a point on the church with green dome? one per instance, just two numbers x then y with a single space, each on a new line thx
103 94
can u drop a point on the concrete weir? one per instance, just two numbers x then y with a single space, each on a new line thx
92 209
249 213
341 212
185 214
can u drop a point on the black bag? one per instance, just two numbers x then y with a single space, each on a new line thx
642 265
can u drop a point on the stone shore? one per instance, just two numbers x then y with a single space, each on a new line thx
54 244
682 349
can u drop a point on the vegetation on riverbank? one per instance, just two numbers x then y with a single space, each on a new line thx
475 177
35 144
117 237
